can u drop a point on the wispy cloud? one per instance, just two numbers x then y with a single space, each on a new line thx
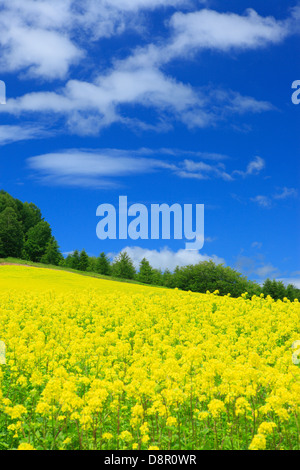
10 134
105 167
256 266
90 107
254 167
268 201
262 201
257 245
94 169
285 193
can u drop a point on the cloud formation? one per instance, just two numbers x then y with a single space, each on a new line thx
100 168
45 38
281 194
58 35
165 258
9 133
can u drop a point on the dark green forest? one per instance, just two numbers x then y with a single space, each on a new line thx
24 234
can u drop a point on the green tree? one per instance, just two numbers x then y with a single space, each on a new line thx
68 261
30 216
123 267
75 260
167 278
38 238
11 234
207 275
83 261
157 277
275 289
6 200
103 265
145 273
292 292
52 254
92 267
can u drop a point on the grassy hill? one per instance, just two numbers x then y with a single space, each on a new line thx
21 262
27 278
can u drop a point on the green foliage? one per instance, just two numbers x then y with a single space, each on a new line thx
72 260
52 254
24 233
209 276
146 273
30 216
11 233
167 278
83 261
277 290
38 238
123 267
92 266
157 277
6 200
103 265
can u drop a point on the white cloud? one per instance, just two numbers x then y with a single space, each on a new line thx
210 239
102 100
208 29
253 168
10 134
263 201
201 170
90 168
267 201
99 168
168 259
256 245
267 270
256 265
286 193
295 281
44 38
88 107
224 31
47 43
34 38
40 53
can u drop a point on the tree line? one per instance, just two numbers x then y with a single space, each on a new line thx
201 277
26 235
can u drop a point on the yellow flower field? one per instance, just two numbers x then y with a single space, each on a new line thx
96 364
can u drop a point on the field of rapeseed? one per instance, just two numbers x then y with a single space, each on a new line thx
94 364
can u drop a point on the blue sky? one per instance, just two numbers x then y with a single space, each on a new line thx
164 101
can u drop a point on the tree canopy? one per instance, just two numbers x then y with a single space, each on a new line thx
24 233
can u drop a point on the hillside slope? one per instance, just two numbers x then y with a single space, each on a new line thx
44 279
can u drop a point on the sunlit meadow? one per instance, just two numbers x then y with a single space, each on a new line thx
97 364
